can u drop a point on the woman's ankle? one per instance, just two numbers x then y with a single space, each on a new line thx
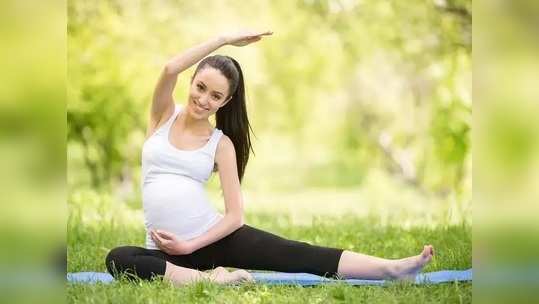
392 269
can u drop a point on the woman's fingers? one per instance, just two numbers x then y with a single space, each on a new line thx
251 40
152 235
165 234
247 37
253 35
265 33
259 35
162 244
156 238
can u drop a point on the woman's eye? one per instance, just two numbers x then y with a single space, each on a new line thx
200 87
215 97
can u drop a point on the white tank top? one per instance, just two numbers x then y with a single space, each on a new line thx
173 185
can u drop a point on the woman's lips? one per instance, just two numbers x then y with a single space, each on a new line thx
200 107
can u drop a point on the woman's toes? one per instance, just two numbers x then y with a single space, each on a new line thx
426 255
248 276
220 275
243 275
218 271
428 250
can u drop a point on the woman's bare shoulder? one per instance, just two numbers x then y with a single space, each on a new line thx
225 152
225 145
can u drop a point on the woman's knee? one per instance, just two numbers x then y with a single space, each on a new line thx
118 258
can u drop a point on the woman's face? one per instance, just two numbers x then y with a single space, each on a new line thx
208 93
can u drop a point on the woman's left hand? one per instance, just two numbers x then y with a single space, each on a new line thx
170 243
244 37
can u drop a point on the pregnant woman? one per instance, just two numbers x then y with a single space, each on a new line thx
185 235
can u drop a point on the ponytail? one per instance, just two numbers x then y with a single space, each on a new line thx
232 117
233 121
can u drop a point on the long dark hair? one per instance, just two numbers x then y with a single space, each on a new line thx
232 118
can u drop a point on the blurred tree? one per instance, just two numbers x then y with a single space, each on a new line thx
345 85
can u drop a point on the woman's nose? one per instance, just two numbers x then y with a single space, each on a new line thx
203 100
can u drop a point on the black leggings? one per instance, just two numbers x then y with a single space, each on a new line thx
246 248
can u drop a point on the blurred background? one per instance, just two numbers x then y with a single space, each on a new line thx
358 107
32 151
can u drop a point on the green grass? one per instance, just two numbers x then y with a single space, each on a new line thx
159 292
99 222
88 245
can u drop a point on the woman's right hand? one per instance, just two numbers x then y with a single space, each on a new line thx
245 37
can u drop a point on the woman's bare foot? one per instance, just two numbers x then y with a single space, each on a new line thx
221 275
408 268
243 275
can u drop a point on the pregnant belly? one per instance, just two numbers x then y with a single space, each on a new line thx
177 206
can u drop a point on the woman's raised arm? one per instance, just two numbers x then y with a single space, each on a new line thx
163 102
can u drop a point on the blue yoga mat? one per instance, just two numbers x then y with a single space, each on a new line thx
304 279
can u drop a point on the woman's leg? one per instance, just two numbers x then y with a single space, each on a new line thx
361 266
251 248
137 262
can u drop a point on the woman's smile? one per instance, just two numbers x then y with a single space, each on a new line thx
199 107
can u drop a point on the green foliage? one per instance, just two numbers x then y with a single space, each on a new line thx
335 79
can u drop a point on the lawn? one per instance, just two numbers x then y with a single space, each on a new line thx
100 223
